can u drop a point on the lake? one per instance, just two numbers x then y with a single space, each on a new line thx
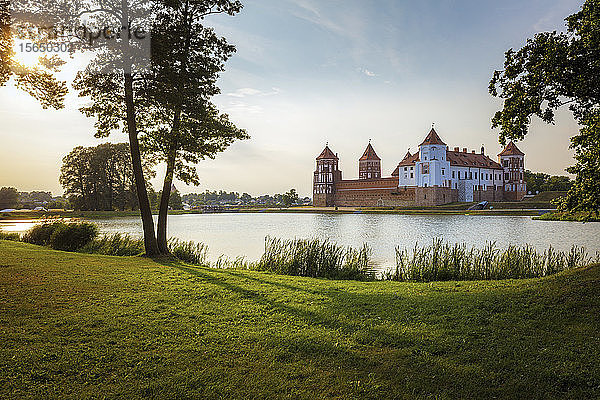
243 234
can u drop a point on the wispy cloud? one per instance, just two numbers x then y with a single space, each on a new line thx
248 92
368 73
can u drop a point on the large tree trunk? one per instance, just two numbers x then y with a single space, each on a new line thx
150 243
164 206
163 211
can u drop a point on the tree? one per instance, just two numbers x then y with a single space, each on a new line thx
37 80
552 70
175 202
290 198
9 197
100 177
187 58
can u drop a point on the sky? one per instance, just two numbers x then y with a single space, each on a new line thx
311 72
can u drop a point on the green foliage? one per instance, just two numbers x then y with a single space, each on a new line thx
175 202
15 237
540 182
189 252
40 234
169 330
290 198
72 236
443 262
101 177
9 197
580 216
61 235
316 258
554 69
115 245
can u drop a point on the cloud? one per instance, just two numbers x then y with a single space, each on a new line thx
248 92
368 73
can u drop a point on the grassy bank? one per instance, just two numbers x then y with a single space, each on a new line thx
78 325
585 216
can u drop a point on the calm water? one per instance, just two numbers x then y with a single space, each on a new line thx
235 235
243 234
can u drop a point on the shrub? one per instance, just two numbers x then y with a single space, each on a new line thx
72 236
40 234
189 252
9 236
115 245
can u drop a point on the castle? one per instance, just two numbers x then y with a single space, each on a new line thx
433 176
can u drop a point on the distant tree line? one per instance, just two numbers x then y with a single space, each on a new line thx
221 197
100 178
540 182
10 197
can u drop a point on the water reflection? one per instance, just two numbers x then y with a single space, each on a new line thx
236 235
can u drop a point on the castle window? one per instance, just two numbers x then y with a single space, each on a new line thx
425 168
406 168
453 174
505 163
411 168
475 175
470 175
443 171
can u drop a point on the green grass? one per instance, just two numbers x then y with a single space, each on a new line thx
86 326
581 216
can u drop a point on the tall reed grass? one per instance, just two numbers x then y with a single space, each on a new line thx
189 252
316 258
115 245
442 261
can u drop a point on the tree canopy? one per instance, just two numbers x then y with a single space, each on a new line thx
552 70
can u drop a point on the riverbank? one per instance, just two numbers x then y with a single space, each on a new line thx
582 216
75 325
442 210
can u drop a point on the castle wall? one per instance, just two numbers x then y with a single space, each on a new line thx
435 196
493 193
373 193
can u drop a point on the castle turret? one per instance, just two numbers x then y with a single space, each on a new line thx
325 177
433 168
369 165
512 161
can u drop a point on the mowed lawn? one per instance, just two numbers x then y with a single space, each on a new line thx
86 326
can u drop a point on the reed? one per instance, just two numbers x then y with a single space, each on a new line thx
442 261
316 258
189 252
115 245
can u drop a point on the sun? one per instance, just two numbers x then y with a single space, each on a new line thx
26 54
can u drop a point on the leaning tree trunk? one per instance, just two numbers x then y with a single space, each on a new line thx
164 206
163 211
150 243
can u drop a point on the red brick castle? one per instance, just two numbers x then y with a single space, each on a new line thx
434 175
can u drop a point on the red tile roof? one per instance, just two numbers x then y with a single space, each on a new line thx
369 154
409 160
511 149
459 159
327 154
432 138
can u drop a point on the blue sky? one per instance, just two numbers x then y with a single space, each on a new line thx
307 72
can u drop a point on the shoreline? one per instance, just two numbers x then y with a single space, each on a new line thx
26 214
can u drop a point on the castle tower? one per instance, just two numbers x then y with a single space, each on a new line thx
325 177
433 168
369 165
513 163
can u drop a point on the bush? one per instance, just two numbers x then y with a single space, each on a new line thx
9 236
115 245
40 234
73 236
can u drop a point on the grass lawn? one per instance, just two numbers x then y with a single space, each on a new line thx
86 326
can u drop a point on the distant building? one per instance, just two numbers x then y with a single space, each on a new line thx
434 175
